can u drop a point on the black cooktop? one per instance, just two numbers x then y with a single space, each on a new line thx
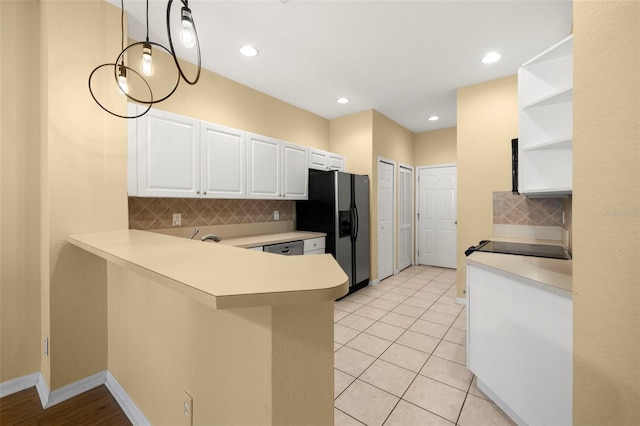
521 249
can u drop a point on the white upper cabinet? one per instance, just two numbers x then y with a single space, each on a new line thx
168 155
323 160
223 161
295 173
263 167
275 169
545 139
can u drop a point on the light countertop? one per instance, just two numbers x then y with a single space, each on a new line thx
267 239
218 275
556 273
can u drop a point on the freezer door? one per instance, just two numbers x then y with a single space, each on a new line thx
344 252
361 228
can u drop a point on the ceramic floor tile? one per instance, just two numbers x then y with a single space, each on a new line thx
448 300
386 286
394 297
358 297
405 357
452 352
433 290
429 328
383 304
388 377
366 403
351 361
448 372
372 291
340 382
346 305
479 411
439 282
425 295
428 274
406 414
455 335
474 390
342 334
418 341
412 285
356 321
369 344
460 323
336 346
446 308
342 419
338 315
385 331
398 320
438 317
418 302
418 280
436 397
408 310
402 291
371 312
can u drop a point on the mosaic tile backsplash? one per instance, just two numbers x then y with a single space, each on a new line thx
515 209
156 213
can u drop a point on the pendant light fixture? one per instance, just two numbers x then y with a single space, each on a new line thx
142 92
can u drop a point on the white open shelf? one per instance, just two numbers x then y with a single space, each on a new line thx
558 50
561 143
564 95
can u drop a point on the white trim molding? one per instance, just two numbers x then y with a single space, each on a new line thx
16 385
125 402
461 301
67 392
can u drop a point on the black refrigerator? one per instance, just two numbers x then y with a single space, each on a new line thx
338 205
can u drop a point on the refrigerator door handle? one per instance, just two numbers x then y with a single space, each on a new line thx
356 224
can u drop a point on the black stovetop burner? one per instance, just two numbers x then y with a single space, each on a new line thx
521 249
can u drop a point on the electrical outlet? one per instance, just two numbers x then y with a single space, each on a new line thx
276 215
187 409
177 219
46 346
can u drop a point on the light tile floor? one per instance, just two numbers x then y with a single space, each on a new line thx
400 355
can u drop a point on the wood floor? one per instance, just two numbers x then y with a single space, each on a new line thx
94 407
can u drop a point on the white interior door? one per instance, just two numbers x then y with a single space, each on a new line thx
385 219
405 217
437 216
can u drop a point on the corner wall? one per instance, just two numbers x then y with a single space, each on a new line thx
19 193
487 121
435 147
606 213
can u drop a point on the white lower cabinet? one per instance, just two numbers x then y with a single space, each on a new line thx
259 248
314 246
519 345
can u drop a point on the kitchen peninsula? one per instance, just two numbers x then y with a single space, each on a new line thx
247 335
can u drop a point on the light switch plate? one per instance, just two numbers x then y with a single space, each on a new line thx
187 409
177 219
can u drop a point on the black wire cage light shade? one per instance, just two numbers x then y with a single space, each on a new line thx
156 79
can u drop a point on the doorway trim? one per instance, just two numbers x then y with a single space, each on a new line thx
417 200
393 212
412 209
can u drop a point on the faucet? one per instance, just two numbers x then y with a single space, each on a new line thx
212 237
194 234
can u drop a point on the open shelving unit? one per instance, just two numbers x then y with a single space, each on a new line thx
545 99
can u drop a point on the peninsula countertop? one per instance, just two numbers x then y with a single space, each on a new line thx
218 275
273 238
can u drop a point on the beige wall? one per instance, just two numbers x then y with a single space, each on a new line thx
487 121
392 142
435 147
352 136
606 213
19 193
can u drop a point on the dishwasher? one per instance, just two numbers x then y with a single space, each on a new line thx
291 248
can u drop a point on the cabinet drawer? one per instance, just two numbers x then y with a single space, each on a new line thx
314 244
307 253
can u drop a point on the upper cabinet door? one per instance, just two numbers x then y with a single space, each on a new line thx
168 155
295 175
223 159
318 160
263 167
336 162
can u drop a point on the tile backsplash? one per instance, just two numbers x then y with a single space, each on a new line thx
515 209
156 213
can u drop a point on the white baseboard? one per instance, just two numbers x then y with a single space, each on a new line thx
461 301
16 385
374 282
74 389
125 402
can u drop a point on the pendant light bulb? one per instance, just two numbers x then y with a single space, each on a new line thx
187 32
123 86
146 65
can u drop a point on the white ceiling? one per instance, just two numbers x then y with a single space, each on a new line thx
404 59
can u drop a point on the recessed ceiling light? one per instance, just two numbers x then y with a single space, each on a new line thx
434 118
342 100
491 57
249 51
